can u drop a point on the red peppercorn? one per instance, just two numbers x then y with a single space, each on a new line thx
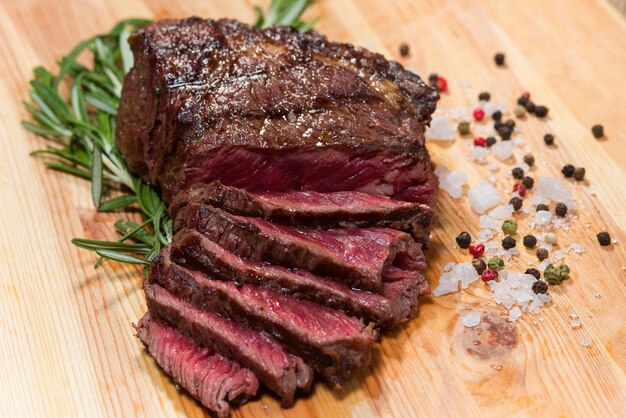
520 189
526 95
442 84
489 275
477 250
479 114
479 141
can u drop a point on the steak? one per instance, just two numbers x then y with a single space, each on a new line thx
333 343
358 257
209 377
313 209
272 110
280 371
397 302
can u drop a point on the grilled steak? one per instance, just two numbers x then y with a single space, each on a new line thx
280 371
396 303
332 342
212 379
361 258
272 110
313 209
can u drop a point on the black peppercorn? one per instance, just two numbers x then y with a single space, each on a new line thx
490 141
533 272
508 242
542 206
510 123
464 240
518 173
522 100
484 96
530 107
497 125
560 209
480 265
404 50
499 58
505 132
579 173
529 159
530 241
568 170
497 115
540 287
541 111
432 80
604 238
597 131
548 139
528 182
542 254
516 202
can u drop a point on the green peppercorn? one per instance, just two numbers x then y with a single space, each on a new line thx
542 206
550 238
516 202
533 272
464 128
508 243
542 254
530 241
597 131
490 141
495 263
499 59
518 173
540 287
497 115
404 50
579 173
552 274
484 96
564 268
560 209
529 159
480 265
509 227
548 139
568 170
541 111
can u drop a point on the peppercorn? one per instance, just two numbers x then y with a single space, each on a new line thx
519 188
499 58
441 83
464 128
548 139
530 241
489 275
479 141
529 159
484 96
528 182
477 250
516 202
597 131
526 95
432 80
480 265
495 263
579 173
497 115
509 227
505 132
508 243
478 114
464 240
560 209
522 100
540 287
490 141
519 111
568 170
404 50
564 269
510 123
550 238
542 254
518 173
497 125
604 238
542 206
533 272
530 106
552 274
541 111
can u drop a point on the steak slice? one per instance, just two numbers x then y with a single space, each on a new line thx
313 209
397 302
209 377
272 109
359 257
332 342
280 371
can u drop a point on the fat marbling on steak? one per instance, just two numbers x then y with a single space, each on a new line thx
272 110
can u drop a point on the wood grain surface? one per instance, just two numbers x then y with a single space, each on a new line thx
68 349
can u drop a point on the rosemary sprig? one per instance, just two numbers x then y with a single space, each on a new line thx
81 126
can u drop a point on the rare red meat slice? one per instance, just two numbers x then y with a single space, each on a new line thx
282 372
359 257
313 209
397 302
211 378
332 342
272 110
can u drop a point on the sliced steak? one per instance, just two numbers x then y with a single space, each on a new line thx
332 342
209 377
272 110
359 257
282 372
313 209
396 304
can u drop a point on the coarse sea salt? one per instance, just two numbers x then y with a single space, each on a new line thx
552 189
451 182
514 292
503 150
470 319
483 196
440 130
463 273
502 212
491 107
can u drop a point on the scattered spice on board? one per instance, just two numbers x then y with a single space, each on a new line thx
516 202
579 173
542 254
489 275
499 59
604 238
542 206
597 131
477 250
568 170
404 50
484 96
509 242
533 272
495 263
509 227
530 241
480 265
548 139
541 111
540 287
464 128
529 159
550 238
463 240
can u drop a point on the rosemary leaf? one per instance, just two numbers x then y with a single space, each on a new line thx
117 203
96 176
121 257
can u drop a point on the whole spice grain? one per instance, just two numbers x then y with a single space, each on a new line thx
432 80
579 173
530 241
522 100
604 238
404 50
528 182
464 128
480 265
484 96
509 227
541 111
530 107
516 202
542 254
479 141
508 243
479 114
495 263
519 111
550 238
497 115
529 159
520 189
490 141
540 287
568 170
564 269
441 83
518 173
533 272
560 209
499 59
542 206
597 131
489 275
548 139
463 240
510 123
477 250
552 274
505 132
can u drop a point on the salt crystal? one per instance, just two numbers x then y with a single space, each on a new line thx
575 323
464 273
491 107
515 314
521 164
470 319
483 197
545 263
449 266
577 248
543 217
502 212
451 182
573 315
585 342
597 295
460 113
478 154
485 234
503 150
551 188
494 165
487 222
440 130
558 255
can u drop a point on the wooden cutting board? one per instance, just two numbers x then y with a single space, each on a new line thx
68 349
